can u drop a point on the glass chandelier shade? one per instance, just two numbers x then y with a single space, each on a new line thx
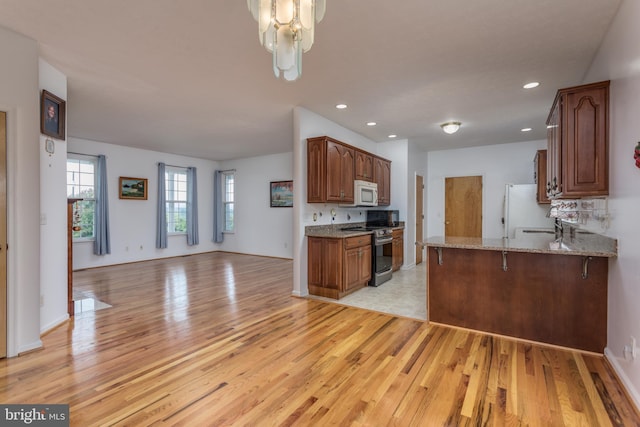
285 29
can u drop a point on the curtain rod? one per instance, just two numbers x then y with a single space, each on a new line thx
83 154
226 170
174 166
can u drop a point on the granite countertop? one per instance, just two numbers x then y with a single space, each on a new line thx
336 231
580 243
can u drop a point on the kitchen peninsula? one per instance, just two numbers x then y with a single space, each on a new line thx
536 288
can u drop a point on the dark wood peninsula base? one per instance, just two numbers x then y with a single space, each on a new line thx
533 296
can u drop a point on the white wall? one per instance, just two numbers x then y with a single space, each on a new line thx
53 214
402 194
132 223
307 125
261 229
498 165
618 60
19 97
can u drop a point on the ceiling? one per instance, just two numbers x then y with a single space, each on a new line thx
190 77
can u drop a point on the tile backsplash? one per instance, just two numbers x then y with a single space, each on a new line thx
590 212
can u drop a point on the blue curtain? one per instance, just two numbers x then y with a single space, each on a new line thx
218 208
102 243
161 225
192 207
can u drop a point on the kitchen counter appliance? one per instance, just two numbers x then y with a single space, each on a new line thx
381 223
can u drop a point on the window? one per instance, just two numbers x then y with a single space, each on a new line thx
176 204
228 199
81 184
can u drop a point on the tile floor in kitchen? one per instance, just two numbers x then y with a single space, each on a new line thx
404 295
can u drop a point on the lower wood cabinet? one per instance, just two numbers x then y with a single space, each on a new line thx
397 249
533 296
338 266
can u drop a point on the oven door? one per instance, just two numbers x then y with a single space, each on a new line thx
381 261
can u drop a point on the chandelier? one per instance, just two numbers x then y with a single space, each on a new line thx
285 28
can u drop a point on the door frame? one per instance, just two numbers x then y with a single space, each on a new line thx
419 249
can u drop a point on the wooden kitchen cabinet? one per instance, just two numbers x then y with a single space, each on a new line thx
382 176
330 171
578 142
364 166
357 262
540 176
397 249
539 297
338 266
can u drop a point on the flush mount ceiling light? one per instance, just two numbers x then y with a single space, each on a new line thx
531 85
341 106
285 29
450 127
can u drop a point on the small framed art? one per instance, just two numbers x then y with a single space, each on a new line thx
133 188
52 115
281 194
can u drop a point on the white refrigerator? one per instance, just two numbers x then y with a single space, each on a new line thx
522 212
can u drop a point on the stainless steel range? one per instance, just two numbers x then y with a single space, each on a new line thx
380 223
382 246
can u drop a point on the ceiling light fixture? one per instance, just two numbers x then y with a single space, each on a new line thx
341 106
525 130
371 123
531 85
450 127
285 29
393 136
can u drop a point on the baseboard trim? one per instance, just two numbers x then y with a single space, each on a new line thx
36 345
627 385
51 326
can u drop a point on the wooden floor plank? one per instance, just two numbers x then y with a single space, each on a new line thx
217 339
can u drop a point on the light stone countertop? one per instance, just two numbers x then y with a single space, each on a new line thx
336 231
581 243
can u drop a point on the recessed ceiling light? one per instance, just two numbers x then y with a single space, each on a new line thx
525 130
531 85
341 106
393 136
371 123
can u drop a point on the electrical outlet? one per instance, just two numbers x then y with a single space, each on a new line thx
630 351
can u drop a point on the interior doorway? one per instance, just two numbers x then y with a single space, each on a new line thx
3 234
463 206
419 217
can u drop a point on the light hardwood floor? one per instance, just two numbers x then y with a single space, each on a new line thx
217 339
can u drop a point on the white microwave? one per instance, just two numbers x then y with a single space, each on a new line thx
365 193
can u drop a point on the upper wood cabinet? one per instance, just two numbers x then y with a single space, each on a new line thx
364 166
332 166
540 176
330 171
578 142
382 175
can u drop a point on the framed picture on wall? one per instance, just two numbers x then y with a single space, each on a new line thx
133 188
281 194
52 115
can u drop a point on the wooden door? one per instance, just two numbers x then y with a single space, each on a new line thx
463 206
3 234
419 217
